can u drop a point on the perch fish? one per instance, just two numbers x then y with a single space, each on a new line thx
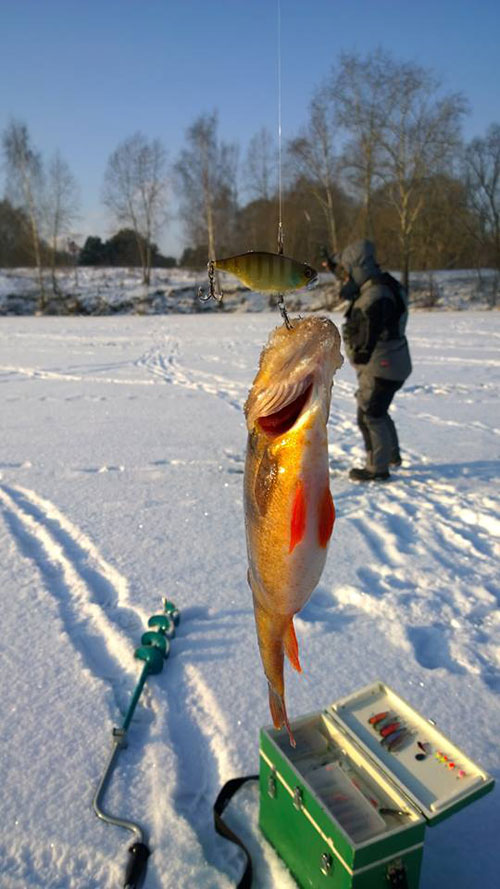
268 272
289 511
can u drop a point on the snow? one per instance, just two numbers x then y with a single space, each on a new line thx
122 449
102 291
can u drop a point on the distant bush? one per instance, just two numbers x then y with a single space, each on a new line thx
121 250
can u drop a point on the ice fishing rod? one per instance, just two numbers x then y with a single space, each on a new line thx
214 291
154 650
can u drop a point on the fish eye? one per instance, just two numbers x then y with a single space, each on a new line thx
308 272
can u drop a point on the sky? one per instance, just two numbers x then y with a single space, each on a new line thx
85 76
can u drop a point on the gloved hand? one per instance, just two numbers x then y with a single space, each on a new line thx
348 330
360 356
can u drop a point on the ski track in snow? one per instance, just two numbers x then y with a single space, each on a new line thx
169 368
200 739
94 606
461 529
431 568
190 724
62 376
92 596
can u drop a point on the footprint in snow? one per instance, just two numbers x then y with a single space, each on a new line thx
431 648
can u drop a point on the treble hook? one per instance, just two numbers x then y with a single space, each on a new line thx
211 286
281 298
283 312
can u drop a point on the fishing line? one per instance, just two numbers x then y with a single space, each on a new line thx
280 196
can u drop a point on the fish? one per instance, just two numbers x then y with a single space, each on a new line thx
268 272
289 511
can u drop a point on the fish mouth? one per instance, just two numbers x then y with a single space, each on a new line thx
312 283
282 420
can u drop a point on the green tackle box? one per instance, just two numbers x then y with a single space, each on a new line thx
342 809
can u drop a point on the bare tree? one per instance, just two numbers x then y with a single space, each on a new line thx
258 219
313 154
60 206
24 171
421 139
482 178
206 182
135 192
400 132
362 93
261 165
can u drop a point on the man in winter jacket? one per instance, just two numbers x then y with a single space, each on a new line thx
376 345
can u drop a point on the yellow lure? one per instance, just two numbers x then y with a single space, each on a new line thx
268 272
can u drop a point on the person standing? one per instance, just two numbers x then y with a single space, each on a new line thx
377 348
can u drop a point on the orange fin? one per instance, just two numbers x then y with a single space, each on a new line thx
278 713
298 523
326 517
292 647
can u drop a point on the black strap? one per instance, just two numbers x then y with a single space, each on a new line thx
225 795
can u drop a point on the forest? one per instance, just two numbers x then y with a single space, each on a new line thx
380 155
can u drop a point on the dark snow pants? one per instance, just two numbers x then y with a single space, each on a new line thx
374 397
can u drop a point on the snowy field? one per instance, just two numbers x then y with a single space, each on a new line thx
109 291
121 458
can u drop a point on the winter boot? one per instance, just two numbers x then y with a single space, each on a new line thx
395 459
368 475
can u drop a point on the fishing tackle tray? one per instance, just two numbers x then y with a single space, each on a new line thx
342 809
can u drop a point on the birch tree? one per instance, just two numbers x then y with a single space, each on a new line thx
24 176
135 192
261 165
258 219
60 206
362 95
206 183
421 139
314 156
482 179
401 131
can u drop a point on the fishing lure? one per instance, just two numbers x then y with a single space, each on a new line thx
378 717
398 740
389 729
385 722
268 272
261 271
388 740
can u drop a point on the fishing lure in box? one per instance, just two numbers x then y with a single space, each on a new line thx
345 812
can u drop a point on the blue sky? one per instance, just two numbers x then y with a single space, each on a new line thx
85 74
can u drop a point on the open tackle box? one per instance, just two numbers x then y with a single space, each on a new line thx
348 806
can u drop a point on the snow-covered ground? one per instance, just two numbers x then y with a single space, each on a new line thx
102 291
121 458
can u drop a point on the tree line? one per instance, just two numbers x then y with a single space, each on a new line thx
380 155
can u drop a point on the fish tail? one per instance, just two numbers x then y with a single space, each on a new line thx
279 714
292 647
273 632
